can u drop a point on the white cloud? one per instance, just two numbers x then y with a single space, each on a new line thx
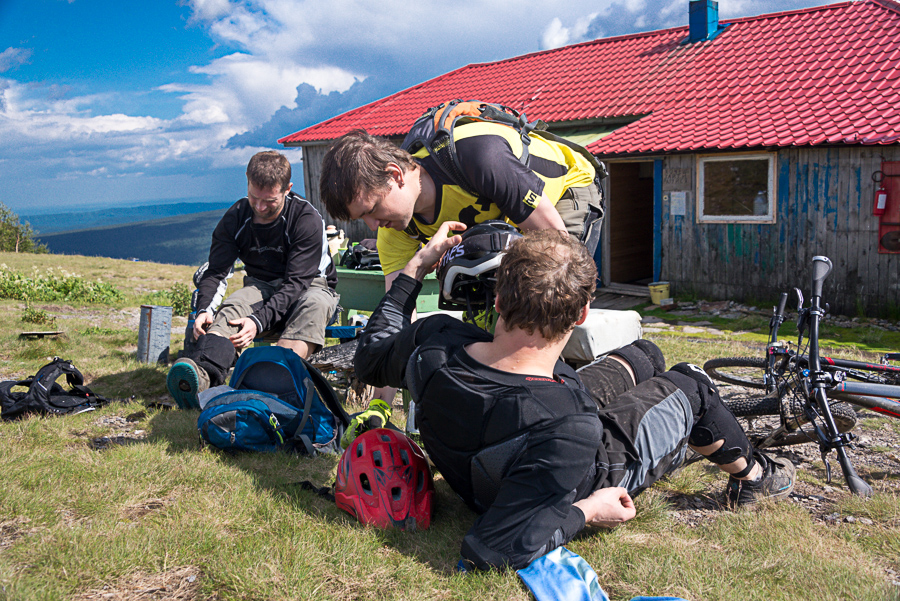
14 57
555 35
209 10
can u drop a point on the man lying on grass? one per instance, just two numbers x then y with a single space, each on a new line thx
534 448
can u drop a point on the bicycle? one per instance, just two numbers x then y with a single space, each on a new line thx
814 396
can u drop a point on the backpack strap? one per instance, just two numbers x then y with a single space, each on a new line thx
304 417
434 131
327 393
11 402
44 383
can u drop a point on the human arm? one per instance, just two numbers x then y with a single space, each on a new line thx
533 511
607 507
543 217
223 252
390 337
304 258
201 323
247 331
497 175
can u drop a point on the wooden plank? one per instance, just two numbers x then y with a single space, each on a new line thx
629 289
616 302
40 334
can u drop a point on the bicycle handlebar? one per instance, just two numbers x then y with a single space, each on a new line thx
822 266
781 304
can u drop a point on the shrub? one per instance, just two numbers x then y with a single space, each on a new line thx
54 285
178 297
39 316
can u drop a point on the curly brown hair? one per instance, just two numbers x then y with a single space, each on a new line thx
543 282
268 169
355 164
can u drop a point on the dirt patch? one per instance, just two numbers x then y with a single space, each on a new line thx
139 510
876 458
13 530
124 431
177 584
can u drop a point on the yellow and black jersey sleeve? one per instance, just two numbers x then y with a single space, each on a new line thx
506 188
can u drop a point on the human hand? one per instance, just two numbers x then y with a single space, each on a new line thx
426 260
246 334
201 323
375 416
607 507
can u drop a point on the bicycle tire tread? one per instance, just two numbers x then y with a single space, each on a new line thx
713 366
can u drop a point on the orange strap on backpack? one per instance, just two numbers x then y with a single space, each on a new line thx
468 108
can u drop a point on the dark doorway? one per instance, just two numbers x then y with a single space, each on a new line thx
631 222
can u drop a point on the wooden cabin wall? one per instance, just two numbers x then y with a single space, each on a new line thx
312 169
824 207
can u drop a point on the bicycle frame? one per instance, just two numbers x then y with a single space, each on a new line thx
779 354
881 398
820 380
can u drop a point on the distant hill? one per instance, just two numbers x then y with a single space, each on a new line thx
181 240
48 223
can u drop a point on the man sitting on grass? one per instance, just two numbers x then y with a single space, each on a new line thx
536 449
289 287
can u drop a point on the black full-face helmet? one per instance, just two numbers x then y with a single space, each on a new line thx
468 271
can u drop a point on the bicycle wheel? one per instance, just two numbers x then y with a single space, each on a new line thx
741 371
761 416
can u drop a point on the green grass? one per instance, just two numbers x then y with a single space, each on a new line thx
78 514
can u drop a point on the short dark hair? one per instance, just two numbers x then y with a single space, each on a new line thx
356 164
543 281
268 169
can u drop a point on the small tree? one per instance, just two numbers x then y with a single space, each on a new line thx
16 236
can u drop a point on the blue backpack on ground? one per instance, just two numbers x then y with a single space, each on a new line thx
275 400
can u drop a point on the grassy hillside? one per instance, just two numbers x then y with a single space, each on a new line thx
122 503
180 240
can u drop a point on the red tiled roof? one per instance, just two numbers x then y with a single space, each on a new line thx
823 75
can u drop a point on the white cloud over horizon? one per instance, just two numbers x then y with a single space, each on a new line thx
271 67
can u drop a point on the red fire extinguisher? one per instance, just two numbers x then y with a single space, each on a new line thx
880 202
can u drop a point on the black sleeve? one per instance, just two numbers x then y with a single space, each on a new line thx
389 338
533 511
499 176
223 252
302 266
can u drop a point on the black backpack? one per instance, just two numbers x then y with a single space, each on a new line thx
45 396
363 255
434 131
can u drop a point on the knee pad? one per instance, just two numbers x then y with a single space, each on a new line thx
645 359
718 423
605 380
694 383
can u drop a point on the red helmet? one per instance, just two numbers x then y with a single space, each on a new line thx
383 479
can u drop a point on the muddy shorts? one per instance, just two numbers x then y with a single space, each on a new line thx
306 319
645 433
575 209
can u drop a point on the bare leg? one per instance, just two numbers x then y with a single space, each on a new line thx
301 347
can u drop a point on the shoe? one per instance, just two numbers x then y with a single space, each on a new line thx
777 482
186 380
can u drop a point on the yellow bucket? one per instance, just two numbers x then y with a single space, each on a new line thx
658 291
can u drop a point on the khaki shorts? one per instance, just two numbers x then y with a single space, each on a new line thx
573 207
305 321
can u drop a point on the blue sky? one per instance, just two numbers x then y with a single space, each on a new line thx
108 103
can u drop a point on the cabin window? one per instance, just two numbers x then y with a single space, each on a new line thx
736 188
